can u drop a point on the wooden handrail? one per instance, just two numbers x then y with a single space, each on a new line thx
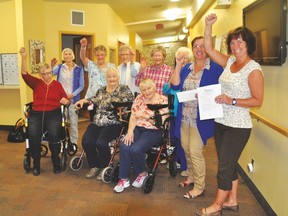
269 123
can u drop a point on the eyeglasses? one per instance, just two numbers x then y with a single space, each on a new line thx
46 74
198 46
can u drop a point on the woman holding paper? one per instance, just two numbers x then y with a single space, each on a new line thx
242 85
193 132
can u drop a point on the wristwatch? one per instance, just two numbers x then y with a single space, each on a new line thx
234 101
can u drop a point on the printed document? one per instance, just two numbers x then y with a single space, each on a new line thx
208 108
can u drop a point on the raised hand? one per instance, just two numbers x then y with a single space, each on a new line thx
23 52
83 42
53 62
210 19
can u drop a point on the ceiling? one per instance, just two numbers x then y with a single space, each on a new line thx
142 16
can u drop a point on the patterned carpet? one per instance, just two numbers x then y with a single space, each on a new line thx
70 193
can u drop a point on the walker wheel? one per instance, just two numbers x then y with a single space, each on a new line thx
107 174
76 163
173 168
72 149
148 184
26 163
63 161
44 150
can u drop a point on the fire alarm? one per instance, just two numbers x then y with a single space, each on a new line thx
159 26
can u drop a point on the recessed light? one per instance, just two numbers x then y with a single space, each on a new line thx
174 0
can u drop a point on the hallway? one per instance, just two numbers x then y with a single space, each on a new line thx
70 193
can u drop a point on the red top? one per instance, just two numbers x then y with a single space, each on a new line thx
45 97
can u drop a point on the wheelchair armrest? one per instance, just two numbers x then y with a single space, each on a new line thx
122 104
156 106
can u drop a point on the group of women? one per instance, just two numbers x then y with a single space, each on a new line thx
242 85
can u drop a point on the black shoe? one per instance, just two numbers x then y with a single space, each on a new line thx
36 171
57 169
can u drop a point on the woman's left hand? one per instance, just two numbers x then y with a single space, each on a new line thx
128 139
65 101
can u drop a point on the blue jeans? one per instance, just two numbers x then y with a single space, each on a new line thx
95 143
134 154
40 122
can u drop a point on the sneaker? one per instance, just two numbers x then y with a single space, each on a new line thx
99 176
164 161
139 181
93 172
122 184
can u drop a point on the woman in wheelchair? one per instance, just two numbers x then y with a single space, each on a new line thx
141 136
105 125
48 95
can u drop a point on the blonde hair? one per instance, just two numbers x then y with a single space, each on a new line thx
147 82
100 48
69 51
43 67
184 51
112 69
159 48
125 47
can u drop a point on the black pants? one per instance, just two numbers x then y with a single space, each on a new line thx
40 122
230 143
95 143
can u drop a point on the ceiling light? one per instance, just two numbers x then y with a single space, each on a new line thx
185 30
172 14
174 0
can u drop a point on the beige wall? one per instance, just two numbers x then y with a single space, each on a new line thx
23 20
268 148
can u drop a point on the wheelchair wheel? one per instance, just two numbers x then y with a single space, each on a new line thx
44 150
27 163
148 184
173 168
63 161
107 174
72 149
76 163
115 173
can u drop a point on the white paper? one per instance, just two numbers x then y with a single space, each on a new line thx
208 108
186 95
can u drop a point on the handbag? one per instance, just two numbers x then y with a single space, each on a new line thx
17 134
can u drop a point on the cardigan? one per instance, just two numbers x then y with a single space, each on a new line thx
209 77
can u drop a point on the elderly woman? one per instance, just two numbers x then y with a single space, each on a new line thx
193 132
141 136
242 85
105 125
48 95
71 76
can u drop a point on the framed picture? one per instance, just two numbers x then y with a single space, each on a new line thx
37 54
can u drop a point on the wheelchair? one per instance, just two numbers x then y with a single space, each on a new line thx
65 148
154 155
122 109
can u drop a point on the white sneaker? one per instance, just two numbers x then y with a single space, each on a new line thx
184 173
139 181
122 184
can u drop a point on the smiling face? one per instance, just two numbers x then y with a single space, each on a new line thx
158 58
45 73
125 56
112 77
148 88
68 56
238 47
100 56
198 49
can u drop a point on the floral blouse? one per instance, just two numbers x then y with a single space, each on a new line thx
105 115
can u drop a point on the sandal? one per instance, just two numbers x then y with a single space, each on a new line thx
199 212
188 195
185 184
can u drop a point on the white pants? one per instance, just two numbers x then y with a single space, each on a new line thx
73 117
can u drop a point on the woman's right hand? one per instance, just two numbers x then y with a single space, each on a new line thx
210 19
53 62
23 52
129 138
83 42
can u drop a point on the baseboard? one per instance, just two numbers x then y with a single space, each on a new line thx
6 127
259 197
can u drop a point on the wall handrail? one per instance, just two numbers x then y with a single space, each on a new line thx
269 123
